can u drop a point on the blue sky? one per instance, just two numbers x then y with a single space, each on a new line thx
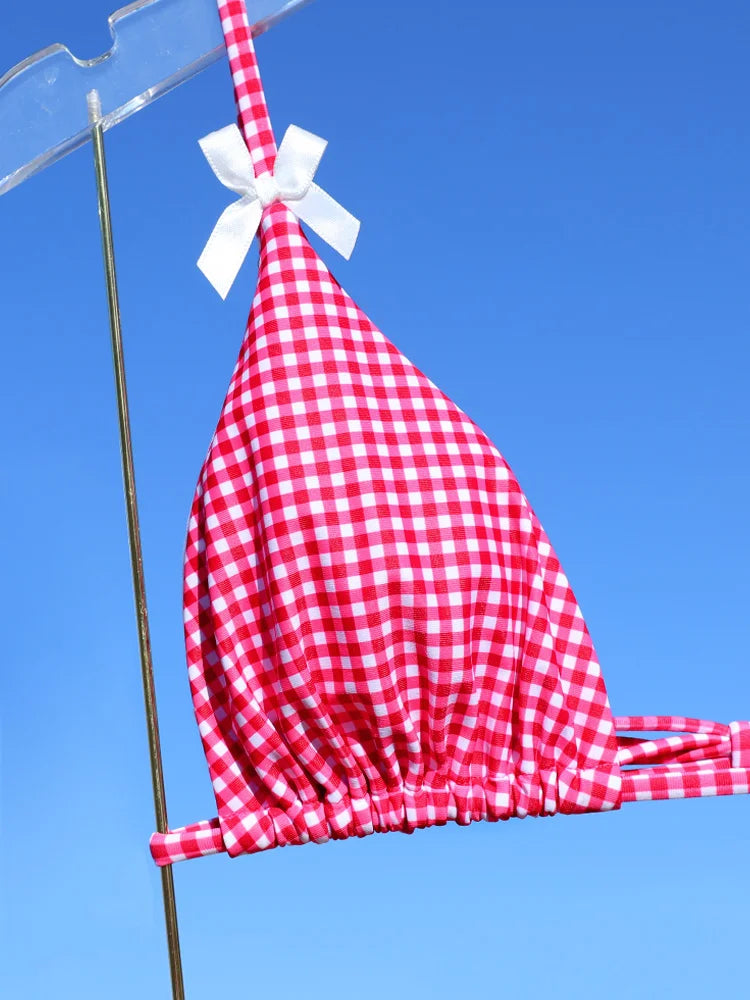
555 207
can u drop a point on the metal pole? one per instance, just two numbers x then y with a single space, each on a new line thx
134 538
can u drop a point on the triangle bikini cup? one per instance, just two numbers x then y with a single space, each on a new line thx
379 634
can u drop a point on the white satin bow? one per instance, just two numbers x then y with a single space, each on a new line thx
291 183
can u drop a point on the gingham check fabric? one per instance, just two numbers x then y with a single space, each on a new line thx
379 634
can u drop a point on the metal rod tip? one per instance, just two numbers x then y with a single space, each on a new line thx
95 106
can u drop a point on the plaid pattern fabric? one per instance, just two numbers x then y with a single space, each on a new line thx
379 634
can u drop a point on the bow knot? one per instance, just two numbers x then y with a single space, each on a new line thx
291 183
268 189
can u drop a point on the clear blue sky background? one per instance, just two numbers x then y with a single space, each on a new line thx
556 205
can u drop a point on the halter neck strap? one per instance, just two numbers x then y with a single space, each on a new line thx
252 110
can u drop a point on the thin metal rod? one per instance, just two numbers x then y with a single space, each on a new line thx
134 538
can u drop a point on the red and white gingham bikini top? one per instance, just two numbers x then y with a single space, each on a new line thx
379 634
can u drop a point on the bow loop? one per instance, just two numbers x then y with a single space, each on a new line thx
297 161
229 158
291 183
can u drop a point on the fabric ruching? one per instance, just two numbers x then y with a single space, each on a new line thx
408 809
402 810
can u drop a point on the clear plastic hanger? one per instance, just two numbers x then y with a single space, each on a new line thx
158 44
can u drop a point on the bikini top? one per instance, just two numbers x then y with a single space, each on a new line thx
379 634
